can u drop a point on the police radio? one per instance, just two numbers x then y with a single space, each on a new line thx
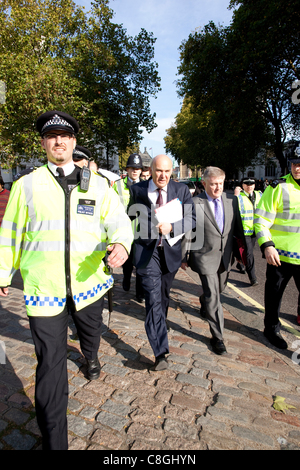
85 176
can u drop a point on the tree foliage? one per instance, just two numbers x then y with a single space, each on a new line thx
53 55
238 79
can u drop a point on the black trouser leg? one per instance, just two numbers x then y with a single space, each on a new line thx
277 279
51 393
250 266
88 322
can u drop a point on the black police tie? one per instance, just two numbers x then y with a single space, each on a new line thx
62 179
61 172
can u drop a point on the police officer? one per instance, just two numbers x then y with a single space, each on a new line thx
57 227
248 199
277 227
134 169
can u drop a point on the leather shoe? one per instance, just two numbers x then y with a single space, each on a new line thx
93 369
161 363
218 346
254 282
276 339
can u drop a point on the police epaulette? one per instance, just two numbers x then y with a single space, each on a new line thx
24 172
275 183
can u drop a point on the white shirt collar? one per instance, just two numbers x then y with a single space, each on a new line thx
68 168
211 199
153 187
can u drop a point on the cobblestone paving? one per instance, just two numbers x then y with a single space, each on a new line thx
202 402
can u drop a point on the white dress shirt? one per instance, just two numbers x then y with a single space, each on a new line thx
68 168
153 193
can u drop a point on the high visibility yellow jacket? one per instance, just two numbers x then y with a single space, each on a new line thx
277 219
122 189
59 241
247 211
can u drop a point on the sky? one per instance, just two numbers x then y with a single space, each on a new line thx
171 21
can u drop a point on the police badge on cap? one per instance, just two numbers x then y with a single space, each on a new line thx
56 120
296 157
134 161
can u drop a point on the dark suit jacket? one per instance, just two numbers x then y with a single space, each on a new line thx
146 233
217 246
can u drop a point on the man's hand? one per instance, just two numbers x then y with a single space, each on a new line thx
164 228
272 256
3 291
184 266
118 255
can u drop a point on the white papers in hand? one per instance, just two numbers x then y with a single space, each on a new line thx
170 213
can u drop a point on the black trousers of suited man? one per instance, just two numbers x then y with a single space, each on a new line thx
50 339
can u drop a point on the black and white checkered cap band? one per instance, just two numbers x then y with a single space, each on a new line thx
79 154
57 121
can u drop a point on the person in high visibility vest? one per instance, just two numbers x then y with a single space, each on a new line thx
134 169
248 199
277 227
58 224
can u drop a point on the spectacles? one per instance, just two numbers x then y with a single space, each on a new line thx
65 136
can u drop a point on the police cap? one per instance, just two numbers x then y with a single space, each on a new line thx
248 180
296 157
80 153
134 161
56 120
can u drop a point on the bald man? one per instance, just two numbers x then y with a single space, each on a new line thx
156 257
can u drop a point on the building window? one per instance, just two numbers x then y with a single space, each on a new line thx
270 171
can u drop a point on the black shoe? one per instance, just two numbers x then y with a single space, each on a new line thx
93 369
254 282
140 299
161 363
218 346
276 339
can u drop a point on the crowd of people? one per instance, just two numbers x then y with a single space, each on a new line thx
67 224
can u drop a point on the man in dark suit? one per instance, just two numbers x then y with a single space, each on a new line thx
220 213
157 251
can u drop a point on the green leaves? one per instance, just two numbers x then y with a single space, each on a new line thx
280 405
53 55
241 76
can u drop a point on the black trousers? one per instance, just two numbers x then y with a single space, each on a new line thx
51 392
276 282
127 272
157 281
250 266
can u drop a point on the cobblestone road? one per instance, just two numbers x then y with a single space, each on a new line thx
202 402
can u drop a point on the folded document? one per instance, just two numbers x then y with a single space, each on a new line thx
170 213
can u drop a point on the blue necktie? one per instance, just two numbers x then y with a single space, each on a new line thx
219 214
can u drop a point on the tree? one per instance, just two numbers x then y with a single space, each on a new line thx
53 55
229 135
243 75
265 37
32 33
